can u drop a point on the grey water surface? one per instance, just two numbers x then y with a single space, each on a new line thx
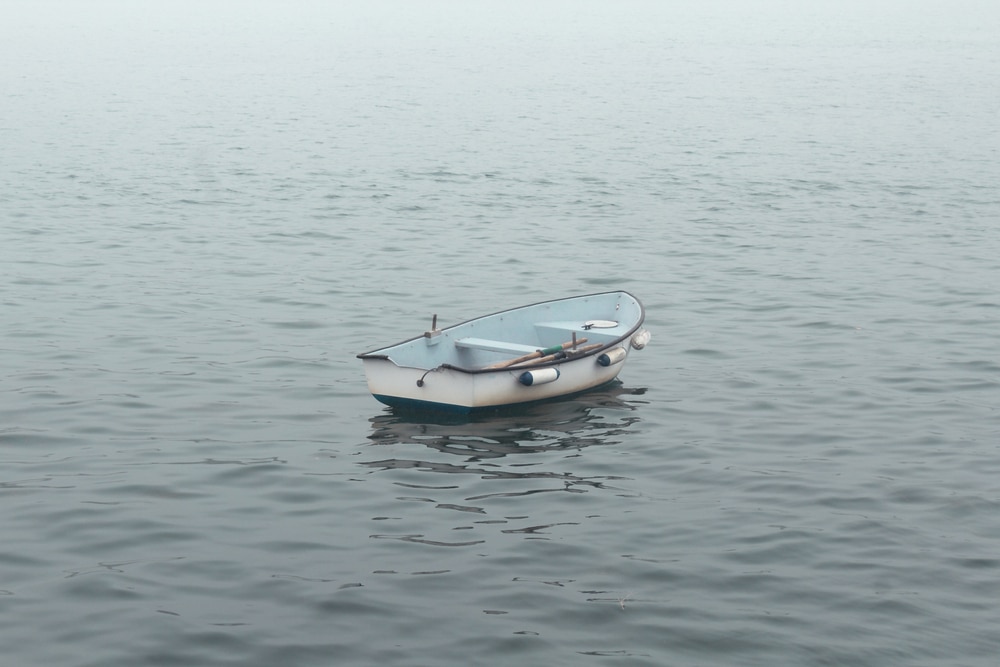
207 209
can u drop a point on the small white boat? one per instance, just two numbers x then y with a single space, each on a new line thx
523 355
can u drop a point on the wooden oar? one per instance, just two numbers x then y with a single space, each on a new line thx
539 353
552 357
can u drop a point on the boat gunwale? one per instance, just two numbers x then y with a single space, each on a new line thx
377 354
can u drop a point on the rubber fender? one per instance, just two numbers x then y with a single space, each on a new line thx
611 357
541 376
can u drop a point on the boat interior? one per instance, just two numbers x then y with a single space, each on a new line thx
488 341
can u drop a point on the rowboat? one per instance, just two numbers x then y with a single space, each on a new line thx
513 357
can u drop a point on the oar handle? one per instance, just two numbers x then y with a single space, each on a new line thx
556 355
540 353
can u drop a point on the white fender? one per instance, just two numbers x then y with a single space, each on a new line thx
611 357
541 376
641 339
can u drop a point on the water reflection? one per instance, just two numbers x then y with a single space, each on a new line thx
599 417
508 464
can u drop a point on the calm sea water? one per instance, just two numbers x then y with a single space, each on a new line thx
207 209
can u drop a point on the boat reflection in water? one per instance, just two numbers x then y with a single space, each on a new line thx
598 417
495 468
